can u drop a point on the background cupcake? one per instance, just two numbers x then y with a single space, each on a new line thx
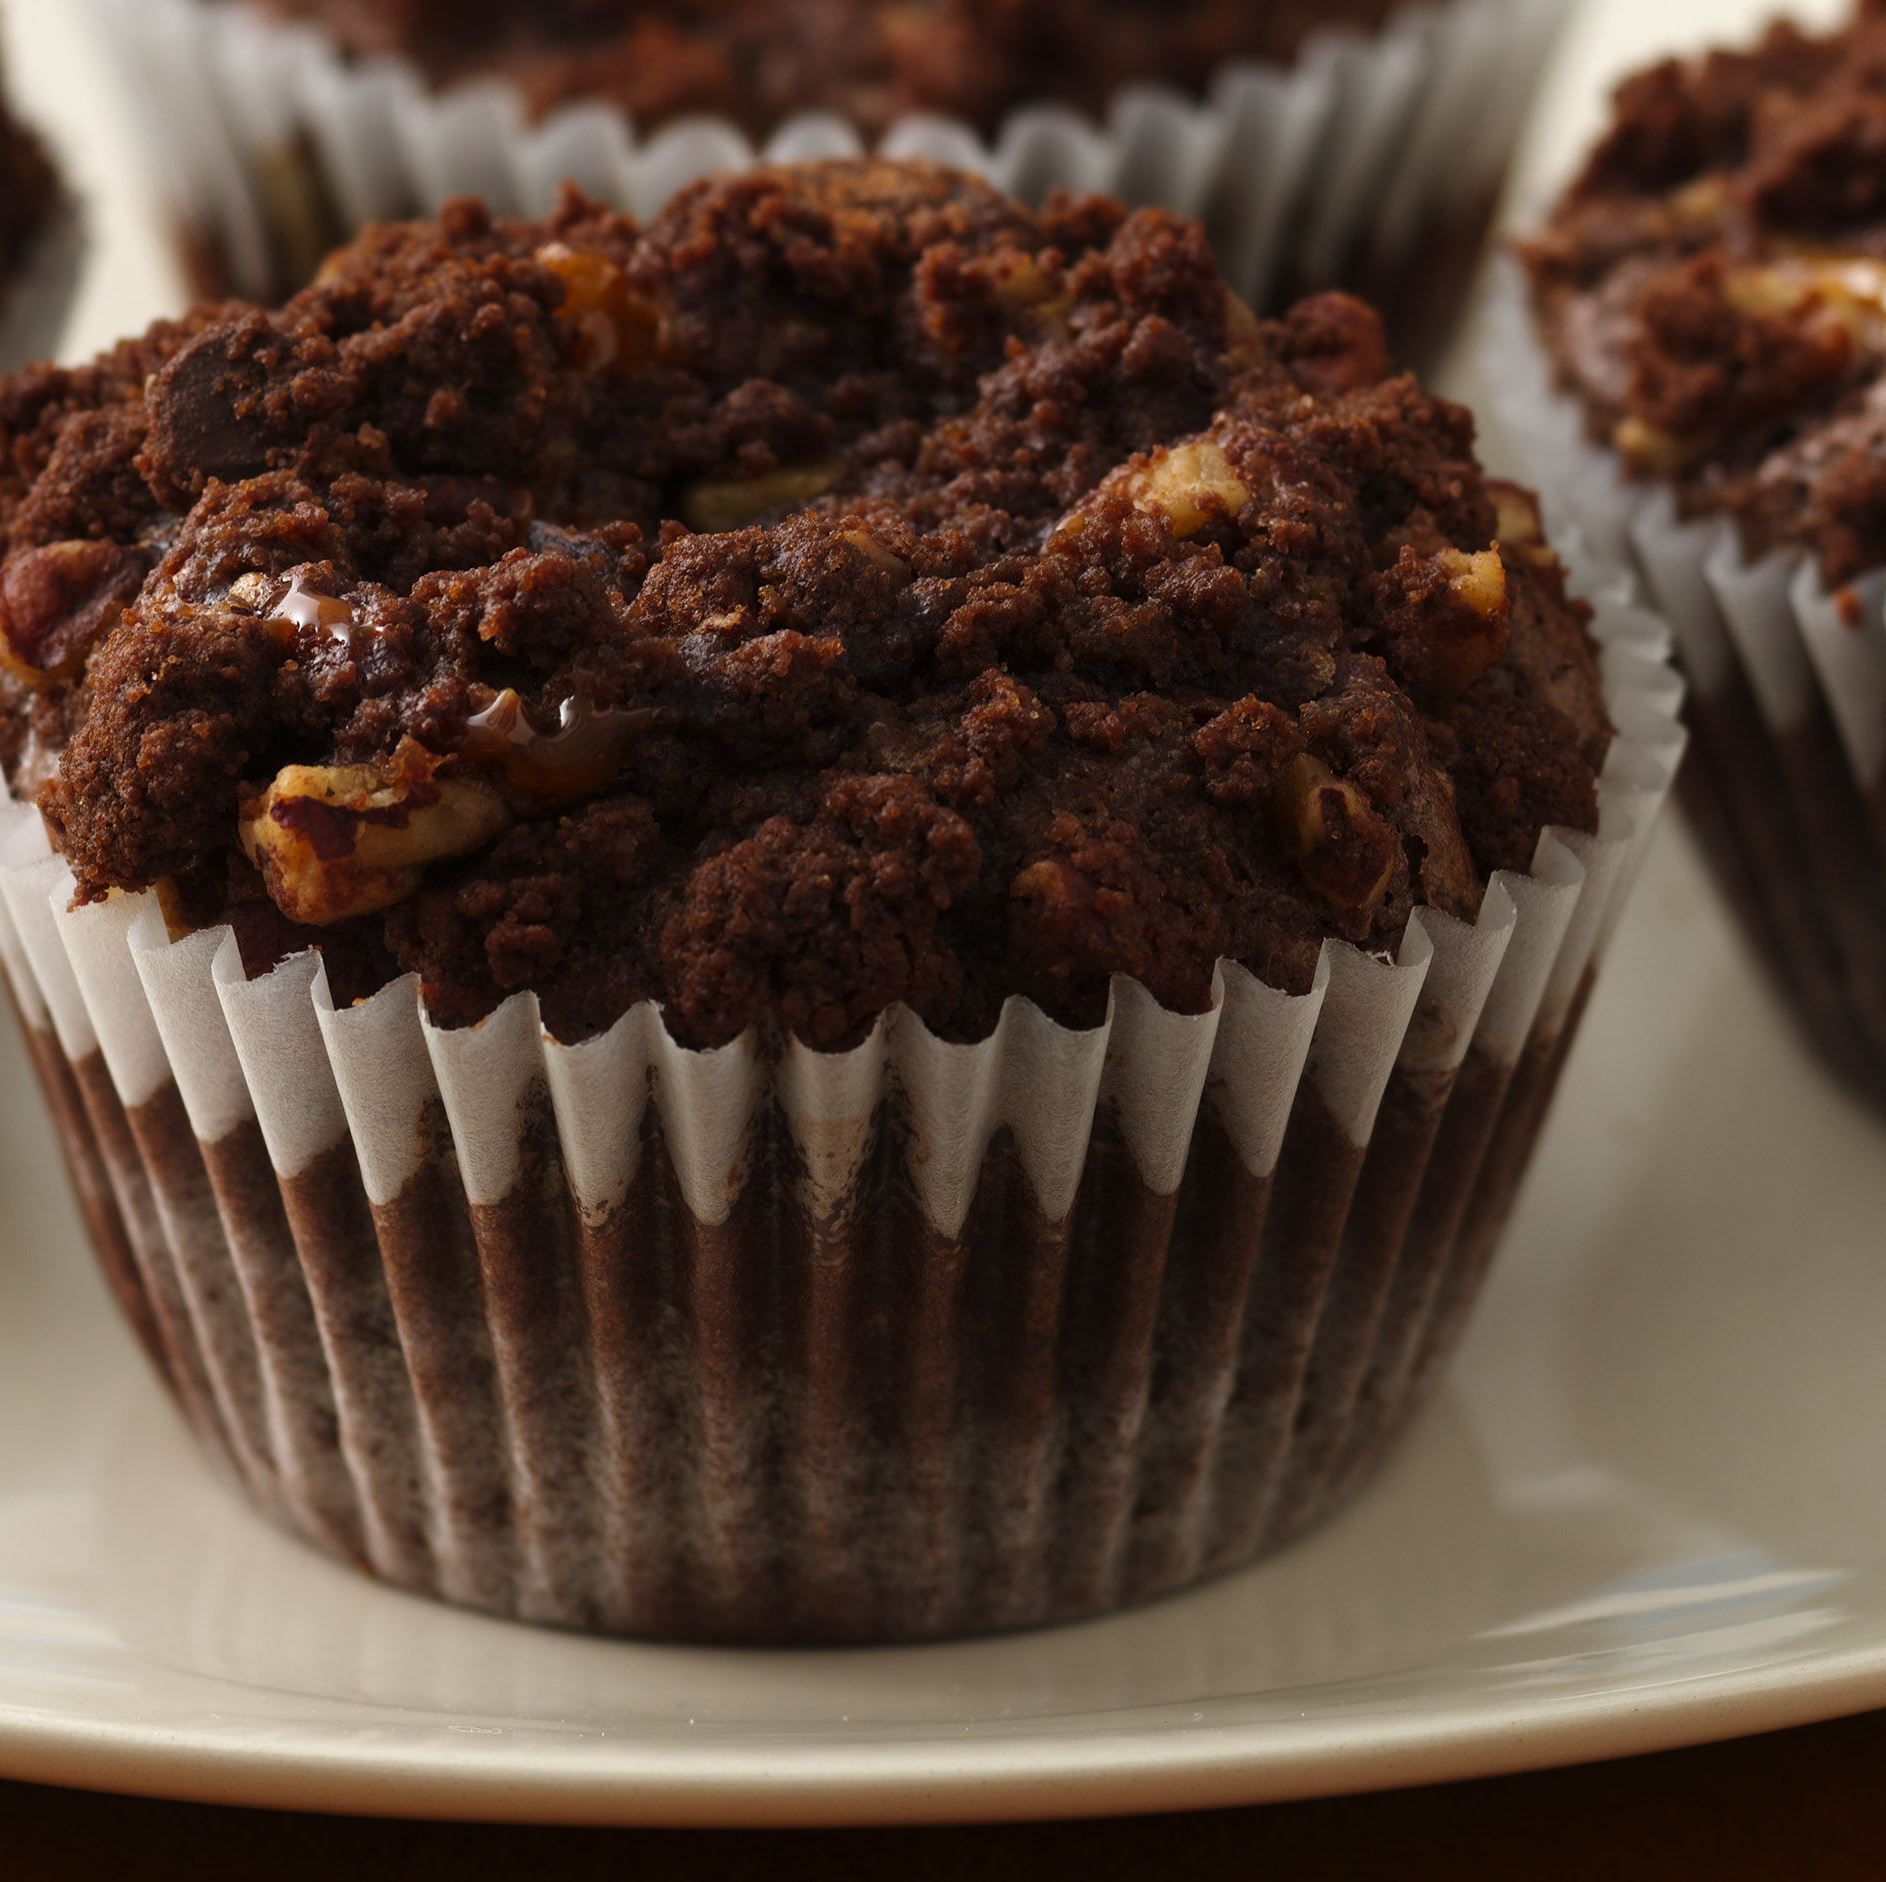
39 242
1360 142
843 920
1711 294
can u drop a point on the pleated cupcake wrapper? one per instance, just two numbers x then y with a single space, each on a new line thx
275 146
762 1343
34 304
1787 784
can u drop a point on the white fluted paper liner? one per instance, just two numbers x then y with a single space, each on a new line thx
278 1051
265 133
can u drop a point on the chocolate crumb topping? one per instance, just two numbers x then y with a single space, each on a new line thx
1713 287
852 588
870 61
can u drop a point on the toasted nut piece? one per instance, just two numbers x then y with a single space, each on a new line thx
729 503
1849 282
1661 453
612 329
1021 278
1765 290
1447 616
1700 204
1244 334
1460 649
57 600
1520 529
252 591
1189 485
875 552
334 841
1517 509
1478 579
1836 301
1346 852
1058 915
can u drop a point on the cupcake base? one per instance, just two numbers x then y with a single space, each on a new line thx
780 1429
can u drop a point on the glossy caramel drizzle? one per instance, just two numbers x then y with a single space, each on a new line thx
301 606
579 758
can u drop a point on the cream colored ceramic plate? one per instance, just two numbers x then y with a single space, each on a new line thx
1648 1509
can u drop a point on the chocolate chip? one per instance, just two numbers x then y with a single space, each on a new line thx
206 416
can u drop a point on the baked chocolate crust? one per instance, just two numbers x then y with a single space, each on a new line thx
1713 287
869 61
851 589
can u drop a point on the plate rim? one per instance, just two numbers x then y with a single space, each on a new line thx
995 1778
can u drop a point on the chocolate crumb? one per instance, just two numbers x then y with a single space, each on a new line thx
851 588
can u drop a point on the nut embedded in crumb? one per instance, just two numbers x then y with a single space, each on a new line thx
718 504
1191 485
1520 530
877 554
1479 579
1346 852
334 841
612 328
1447 617
1244 335
1022 279
1661 453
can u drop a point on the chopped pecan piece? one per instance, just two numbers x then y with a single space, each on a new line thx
334 841
1346 852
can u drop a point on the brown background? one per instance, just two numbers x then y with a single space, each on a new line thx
1806 1806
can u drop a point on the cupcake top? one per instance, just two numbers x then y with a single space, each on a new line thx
1713 287
29 190
852 588
758 62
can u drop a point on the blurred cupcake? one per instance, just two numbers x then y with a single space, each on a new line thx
845 920
39 243
1360 142
1711 299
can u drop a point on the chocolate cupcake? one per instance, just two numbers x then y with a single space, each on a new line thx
842 920
38 242
1711 292
1359 143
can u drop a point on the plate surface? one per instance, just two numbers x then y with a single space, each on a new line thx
1645 1510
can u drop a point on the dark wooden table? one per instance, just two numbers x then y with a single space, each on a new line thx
1801 1806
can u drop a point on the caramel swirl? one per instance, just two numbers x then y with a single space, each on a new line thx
549 768
301 606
